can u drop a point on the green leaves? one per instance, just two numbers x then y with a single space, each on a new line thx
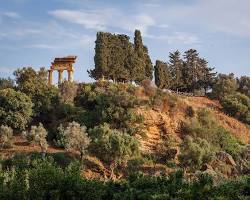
238 106
116 58
15 109
111 145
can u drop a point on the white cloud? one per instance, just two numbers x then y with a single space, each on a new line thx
224 16
89 19
6 70
176 38
11 14
41 46
105 18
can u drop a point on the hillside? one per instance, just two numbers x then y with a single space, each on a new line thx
161 123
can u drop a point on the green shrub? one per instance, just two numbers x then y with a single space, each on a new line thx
238 106
15 109
195 152
60 140
76 138
6 136
37 135
206 127
111 103
111 145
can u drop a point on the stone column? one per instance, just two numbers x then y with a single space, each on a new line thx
70 75
60 76
50 79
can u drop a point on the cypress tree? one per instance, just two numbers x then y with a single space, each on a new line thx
162 75
111 57
191 69
101 57
176 68
141 66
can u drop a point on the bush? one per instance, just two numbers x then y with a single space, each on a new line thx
195 152
112 146
224 85
238 106
111 103
6 136
37 135
67 92
46 180
15 109
60 140
75 137
35 85
206 127
190 111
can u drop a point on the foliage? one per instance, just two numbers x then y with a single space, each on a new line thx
207 128
35 85
119 60
111 145
244 85
60 140
187 75
162 75
238 106
6 83
15 109
6 136
195 152
47 180
37 135
67 92
111 103
76 138
224 85
176 68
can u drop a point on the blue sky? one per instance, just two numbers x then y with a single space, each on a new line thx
33 32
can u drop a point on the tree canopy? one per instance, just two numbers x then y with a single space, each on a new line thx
15 108
116 58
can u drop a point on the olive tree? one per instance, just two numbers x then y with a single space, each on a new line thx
6 136
76 138
37 135
112 146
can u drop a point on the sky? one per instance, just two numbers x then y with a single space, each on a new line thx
34 32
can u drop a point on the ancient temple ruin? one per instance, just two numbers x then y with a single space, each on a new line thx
61 64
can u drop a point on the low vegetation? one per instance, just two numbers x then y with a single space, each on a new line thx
30 177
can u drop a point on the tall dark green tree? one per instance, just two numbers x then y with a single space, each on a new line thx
116 58
206 75
101 57
112 53
141 67
162 75
197 75
176 69
190 70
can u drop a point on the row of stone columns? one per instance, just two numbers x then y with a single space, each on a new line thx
60 72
